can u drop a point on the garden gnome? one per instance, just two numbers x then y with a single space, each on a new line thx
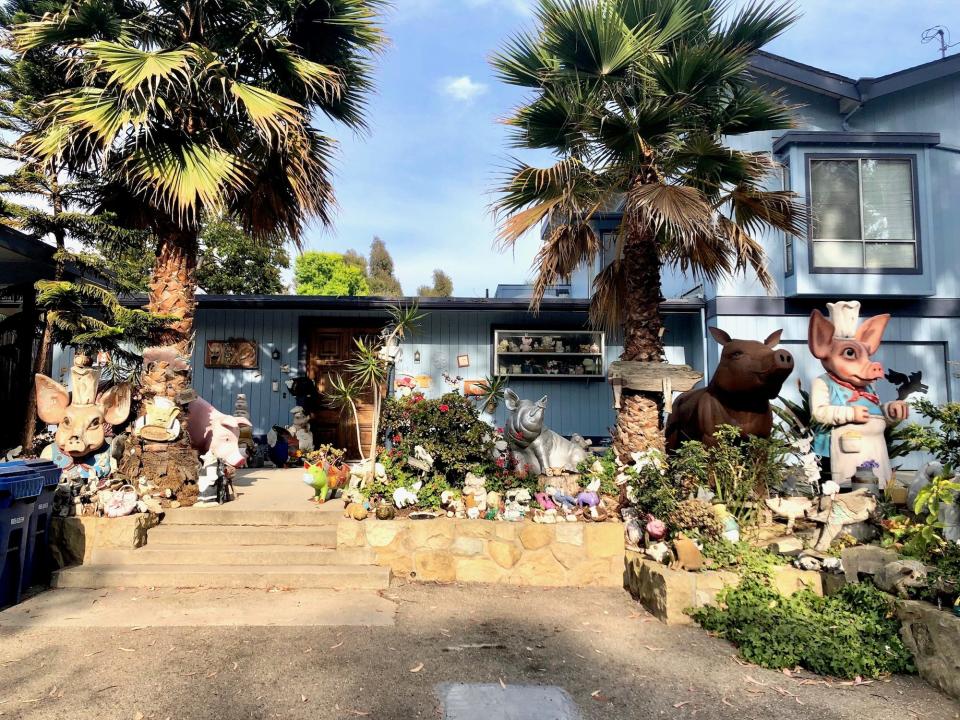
843 401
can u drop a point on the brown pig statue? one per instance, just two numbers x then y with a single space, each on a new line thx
79 446
749 375
843 401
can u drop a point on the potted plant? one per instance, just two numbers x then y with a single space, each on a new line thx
491 392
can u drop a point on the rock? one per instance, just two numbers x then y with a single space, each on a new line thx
788 580
864 560
433 534
467 546
933 636
434 566
788 545
400 563
539 567
478 569
832 582
381 533
665 593
604 540
570 533
505 530
352 534
475 528
570 556
505 554
595 573
534 536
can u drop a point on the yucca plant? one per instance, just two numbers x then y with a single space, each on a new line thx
638 99
186 110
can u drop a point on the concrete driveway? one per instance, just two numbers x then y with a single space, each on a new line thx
232 655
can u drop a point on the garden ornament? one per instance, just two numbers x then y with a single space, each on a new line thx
79 446
808 562
686 555
544 501
655 529
566 502
632 532
837 510
731 528
318 477
533 444
213 430
517 504
475 494
897 576
789 508
159 422
356 511
386 512
659 552
300 429
949 513
749 375
843 400
590 497
209 481
403 497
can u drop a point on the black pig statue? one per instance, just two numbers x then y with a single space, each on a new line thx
749 375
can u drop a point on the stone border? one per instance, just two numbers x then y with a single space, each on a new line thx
666 593
73 540
449 550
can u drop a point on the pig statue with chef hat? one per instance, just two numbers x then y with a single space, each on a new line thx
844 401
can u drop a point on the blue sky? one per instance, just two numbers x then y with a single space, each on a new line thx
422 178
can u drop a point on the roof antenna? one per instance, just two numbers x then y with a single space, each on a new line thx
941 33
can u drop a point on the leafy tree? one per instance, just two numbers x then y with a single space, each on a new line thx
232 262
380 275
352 257
326 273
637 100
185 111
442 286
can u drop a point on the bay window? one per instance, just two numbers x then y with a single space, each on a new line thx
863 214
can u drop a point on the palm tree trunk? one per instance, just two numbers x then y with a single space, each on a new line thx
638 421
172 465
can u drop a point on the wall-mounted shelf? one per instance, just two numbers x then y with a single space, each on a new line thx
572 354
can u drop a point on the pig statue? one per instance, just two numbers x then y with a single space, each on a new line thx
749 375
212 430
843 401
531 443
79 446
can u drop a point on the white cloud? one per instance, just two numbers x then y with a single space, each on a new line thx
462 88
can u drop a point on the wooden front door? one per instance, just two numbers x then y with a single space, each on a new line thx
328 353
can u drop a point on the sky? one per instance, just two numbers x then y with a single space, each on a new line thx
423 177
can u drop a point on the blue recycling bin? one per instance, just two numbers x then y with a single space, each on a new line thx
38 559
19 489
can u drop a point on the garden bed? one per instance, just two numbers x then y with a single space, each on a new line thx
450 550
667 593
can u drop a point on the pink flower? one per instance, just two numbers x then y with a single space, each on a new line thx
444 408
500 462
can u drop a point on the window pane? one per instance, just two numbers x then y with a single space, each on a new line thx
829 254
835 191
887 200
890 255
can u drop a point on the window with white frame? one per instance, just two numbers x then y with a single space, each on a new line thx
863 214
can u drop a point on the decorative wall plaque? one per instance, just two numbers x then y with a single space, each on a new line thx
233 353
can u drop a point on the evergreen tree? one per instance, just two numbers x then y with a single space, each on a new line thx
380 277
442 286
233 263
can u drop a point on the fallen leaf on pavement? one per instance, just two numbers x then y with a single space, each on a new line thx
125 649
654 649
726 702
503 684
138 715
236 665
418 668
303 698
334 647
755 682
681 704
361 713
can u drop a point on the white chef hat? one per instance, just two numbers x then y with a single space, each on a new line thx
844 314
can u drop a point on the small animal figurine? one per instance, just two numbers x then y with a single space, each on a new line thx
590 498
526 343
544 501
632 531
213 430
808 562
686 555
356 511
209 481
300 429
532 443
402 497
659 552
898 576
567 503
789 508
907 384
843 400
655 529
385 512
318 477
749 375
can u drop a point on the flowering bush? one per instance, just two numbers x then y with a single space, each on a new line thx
448 428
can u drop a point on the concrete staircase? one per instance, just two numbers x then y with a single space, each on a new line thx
225 548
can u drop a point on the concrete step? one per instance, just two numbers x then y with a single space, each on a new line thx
208 536
327 514
359 577
155 553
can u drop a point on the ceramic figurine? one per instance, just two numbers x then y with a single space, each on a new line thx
503 346
386 512
403 497
590 498
526 343
300 429
356 511
209 481
558 346
659 552
79 446
544 500
749 375
475 494
213 430
516 504
836 511
897 576
655 529
843 400
533 444
159 422
731 528
789 508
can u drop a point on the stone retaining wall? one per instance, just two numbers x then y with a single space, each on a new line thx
666 593
73 539
933 636
523 553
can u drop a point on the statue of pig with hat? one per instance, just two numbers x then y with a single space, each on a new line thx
844 401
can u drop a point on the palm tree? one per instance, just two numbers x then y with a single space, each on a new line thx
189 109
636 98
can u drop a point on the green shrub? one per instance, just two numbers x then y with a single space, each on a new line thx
448 428
744 558
850 634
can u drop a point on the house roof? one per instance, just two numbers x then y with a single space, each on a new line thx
321 302
850 91
25 259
